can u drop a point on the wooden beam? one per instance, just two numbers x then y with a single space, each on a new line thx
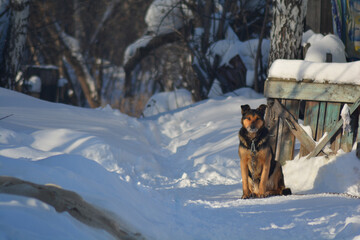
293 125
334 130
286 140
305 90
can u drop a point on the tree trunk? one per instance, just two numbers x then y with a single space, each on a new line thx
257 86
287 29
15 41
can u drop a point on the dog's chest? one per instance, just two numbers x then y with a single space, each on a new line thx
255 167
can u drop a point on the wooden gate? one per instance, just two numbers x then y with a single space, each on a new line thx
319 105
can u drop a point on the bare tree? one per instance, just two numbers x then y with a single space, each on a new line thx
14 14
198 24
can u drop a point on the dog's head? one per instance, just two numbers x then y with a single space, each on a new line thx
253 119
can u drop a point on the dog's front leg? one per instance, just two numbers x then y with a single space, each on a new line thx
244 176
265 161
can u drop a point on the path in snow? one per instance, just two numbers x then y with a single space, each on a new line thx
172 176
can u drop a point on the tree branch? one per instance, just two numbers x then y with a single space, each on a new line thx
67 201
144 51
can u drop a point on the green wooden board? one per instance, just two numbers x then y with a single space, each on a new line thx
305 90
310 119
321 121
347 141
333 131
331 118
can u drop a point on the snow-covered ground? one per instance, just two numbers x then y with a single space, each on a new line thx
172 176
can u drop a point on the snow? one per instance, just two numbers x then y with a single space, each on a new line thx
345 115
35 84
228 49
175 175
215 90
337 73
166 101
62 82
165 16
310 37
162 17
74 46
320 46
131 49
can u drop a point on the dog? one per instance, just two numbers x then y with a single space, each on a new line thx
262 176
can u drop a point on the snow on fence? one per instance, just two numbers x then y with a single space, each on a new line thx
316 92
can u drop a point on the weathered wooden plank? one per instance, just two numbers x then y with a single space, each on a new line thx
321 121
294 127
286 139
331 118
313 14
311 116
305 90
279 142
322 143
310 119
347 141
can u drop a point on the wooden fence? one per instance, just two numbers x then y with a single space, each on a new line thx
319 105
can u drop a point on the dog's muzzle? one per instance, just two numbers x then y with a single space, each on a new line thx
252 130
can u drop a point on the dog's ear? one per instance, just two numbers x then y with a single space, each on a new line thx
261 109
244 109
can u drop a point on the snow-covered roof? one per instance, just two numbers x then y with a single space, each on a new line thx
337 73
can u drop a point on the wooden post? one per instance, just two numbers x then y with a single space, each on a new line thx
319 16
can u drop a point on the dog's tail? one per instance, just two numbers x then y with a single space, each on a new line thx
286 191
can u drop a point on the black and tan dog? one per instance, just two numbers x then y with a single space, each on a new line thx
262 176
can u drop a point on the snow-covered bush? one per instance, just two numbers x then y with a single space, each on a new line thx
166 101
321 45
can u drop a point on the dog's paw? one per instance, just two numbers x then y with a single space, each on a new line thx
265 195
286 191
249 195
245 196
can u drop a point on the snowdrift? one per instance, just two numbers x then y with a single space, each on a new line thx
171 176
